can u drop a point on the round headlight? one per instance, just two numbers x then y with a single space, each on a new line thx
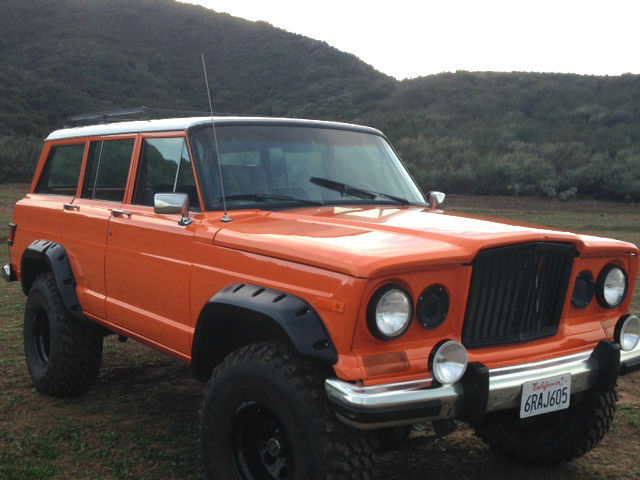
583 290
433 306
448 362
611 288
628 332
389 312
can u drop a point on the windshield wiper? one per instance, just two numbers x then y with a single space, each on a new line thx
346 189
263 197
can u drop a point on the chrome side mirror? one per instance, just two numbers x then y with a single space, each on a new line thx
172 203
435 199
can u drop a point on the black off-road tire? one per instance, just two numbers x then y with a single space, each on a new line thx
269 380
555 438
63 354
391 438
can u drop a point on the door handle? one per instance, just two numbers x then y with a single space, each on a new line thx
117 213
71 206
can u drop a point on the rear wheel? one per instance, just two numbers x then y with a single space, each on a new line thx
265 417
553 438
63 354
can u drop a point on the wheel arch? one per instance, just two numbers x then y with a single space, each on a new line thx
46 256
242 313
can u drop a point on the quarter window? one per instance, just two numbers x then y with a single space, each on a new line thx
107 170
62 170
165 167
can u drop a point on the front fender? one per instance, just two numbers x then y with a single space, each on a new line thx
261 309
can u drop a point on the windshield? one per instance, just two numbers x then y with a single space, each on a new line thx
272 166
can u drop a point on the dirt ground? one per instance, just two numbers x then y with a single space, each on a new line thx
139 421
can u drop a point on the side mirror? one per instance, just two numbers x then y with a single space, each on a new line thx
435 199
172 203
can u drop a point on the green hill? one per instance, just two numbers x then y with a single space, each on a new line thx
489 133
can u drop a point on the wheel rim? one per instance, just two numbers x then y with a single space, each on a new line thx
261 448
42 337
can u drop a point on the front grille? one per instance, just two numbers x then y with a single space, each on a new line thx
517 293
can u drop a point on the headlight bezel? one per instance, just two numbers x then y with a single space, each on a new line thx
600 285
372 307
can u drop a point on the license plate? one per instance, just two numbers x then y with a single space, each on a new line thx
546 395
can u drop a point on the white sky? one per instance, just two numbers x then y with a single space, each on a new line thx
412 38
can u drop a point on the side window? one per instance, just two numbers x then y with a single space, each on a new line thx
62 170
107 170
164 167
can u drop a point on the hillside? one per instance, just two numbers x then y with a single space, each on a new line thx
487 133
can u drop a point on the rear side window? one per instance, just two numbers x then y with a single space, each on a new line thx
107 170
164 167
62 170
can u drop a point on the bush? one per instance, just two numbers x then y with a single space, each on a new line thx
18 158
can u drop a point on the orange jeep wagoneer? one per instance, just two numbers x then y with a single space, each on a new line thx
332 304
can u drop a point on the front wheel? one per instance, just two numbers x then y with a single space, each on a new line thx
265 416
553 438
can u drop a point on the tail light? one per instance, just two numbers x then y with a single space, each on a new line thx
12 233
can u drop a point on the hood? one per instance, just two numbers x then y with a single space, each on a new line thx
371 241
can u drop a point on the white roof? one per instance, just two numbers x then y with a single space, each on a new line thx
173 124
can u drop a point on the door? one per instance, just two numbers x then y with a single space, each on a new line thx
148 259
86 218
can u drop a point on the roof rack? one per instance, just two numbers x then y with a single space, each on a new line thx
136 113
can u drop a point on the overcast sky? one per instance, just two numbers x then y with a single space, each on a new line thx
412 38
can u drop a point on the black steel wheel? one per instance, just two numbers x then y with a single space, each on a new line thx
262 449
41 337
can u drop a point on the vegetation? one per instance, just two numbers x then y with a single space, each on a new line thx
522 134
549 135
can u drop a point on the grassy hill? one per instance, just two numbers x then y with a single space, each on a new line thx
488 133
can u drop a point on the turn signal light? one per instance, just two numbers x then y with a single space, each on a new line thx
386 363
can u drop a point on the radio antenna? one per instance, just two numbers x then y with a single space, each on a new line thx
225 217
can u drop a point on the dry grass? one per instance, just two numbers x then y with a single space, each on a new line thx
140 419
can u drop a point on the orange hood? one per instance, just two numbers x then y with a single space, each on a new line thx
371 241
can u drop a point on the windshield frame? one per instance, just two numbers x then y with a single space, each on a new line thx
213 205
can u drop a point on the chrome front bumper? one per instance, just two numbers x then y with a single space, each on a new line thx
484 390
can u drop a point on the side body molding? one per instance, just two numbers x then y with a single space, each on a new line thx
55 257
246 309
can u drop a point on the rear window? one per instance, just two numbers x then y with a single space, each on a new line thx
62 170
107 170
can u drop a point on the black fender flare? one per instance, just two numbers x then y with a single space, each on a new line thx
292 317
55 257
